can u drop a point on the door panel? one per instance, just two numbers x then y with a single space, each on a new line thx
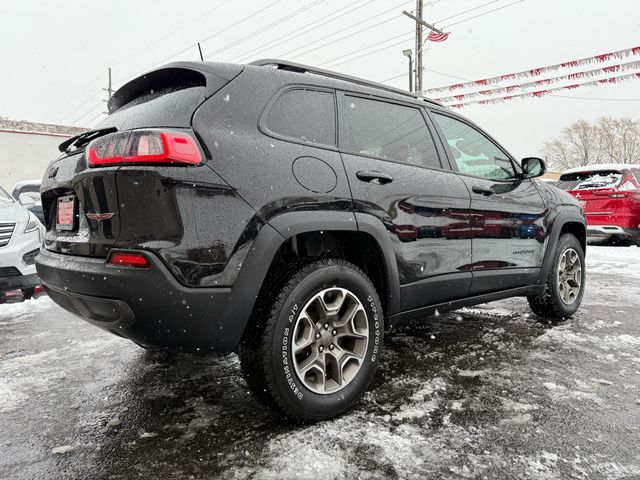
426 213
508 232
395 173
507 214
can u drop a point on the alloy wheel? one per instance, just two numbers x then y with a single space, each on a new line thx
330 340
569 276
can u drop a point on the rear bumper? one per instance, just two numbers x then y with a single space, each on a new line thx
19 282
147 306
606 231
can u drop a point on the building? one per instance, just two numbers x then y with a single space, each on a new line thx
26 148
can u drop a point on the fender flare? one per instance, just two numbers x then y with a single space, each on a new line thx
563 217
270 238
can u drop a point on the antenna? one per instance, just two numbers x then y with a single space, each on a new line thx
200 50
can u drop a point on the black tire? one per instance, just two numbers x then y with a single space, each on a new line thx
550 305
266 351
27 293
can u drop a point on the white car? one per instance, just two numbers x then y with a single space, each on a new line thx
21 234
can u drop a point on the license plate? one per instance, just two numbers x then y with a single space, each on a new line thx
66 213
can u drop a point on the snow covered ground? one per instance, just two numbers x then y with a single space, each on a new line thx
484 392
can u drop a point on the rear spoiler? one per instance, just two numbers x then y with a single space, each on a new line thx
83 139
212 76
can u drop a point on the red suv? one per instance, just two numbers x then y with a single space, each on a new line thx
610 196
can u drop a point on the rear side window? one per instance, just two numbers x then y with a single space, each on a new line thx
388 130
590 180
636 174
304 115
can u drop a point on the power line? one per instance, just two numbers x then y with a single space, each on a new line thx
359 52
393 78
462 21
368 53
484 13
90 122
342 31
79 107
294 34
204 14
182 27
265 28
466 11
313 25
456 23
257 12
92 110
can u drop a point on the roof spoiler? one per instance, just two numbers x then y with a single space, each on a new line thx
210 75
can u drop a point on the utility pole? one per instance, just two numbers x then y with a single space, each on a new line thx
419 24
418 82
109 89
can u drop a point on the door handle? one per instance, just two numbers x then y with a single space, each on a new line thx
486 191
374 176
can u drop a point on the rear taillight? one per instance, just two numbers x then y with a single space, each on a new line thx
144 147
135 260
629 186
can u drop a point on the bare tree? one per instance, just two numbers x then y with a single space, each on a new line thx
609 140
579 144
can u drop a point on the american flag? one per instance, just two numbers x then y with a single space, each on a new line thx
437 37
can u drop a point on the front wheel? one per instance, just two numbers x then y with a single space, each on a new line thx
315 341
565 283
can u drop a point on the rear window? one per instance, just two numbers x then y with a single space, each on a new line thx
590 180
170 106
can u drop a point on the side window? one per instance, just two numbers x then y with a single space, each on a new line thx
474 153
304 115
636 173
390 131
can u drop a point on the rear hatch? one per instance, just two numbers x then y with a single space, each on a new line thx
603 193
90 203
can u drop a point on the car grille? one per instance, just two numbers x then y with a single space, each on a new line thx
6 272
6 232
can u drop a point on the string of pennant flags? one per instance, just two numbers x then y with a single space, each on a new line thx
541 93
536 72
635 65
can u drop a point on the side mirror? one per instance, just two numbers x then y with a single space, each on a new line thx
26 200
533 167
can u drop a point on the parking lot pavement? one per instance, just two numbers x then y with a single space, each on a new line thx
485 392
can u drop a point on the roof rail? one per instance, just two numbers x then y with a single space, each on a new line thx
300 68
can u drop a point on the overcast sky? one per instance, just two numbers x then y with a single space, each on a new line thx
55 53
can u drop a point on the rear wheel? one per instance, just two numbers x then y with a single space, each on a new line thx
565 283
27 293
313 347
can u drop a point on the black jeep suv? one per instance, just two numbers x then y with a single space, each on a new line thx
292 215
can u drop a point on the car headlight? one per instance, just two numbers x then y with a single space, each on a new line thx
32 224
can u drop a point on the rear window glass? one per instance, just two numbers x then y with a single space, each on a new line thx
166 107
590 180
304 115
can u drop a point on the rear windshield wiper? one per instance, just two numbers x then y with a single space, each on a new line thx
80 140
